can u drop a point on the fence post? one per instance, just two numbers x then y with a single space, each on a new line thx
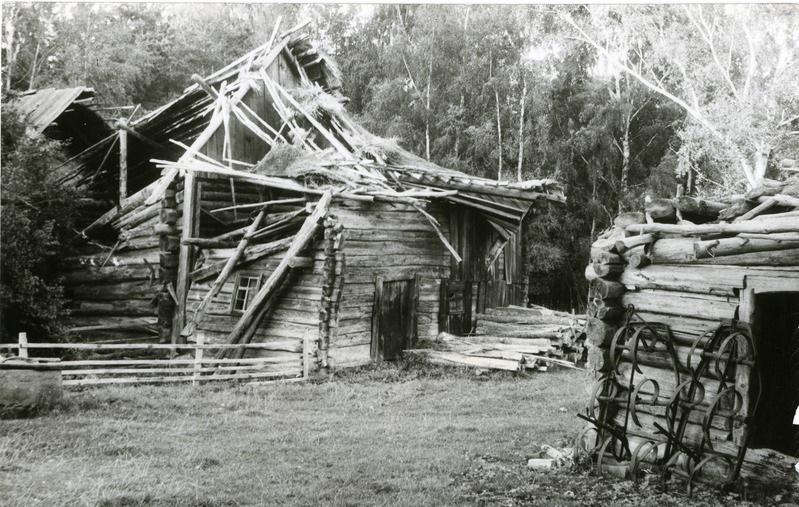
23 345
198 358
306 367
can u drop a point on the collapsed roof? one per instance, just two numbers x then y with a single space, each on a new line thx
305 140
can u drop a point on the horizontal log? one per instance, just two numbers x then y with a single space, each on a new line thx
121 308
117 259
637 258
131 324
607 270
144 243
515 331
699 207
535 311
683 305
111 273
673 251
701 279
607 309
763 226
606 289
531 320
622 245
789 257
498 341
685 330
599 333
733 246
108 291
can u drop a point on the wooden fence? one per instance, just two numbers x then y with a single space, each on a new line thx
191 365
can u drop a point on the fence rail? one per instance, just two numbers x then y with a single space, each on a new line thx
282 361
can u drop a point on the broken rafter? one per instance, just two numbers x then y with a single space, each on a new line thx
319 127
437 229
259 204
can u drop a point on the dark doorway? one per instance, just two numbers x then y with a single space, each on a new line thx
777 332
394 317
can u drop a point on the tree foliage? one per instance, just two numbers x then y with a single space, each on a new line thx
615 102
37 216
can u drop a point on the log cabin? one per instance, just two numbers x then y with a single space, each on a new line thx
693 333
252 208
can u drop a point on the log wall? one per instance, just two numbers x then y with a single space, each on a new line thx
115 291
690 280
395 242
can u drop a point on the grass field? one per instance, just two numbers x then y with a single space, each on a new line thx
384 435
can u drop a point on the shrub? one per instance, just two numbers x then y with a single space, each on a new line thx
36 219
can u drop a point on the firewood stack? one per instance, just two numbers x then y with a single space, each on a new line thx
686 264
516 339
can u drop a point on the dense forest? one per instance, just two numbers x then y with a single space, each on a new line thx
615 102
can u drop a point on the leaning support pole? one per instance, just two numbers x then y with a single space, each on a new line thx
260 304
220 280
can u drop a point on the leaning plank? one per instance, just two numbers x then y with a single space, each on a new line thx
259 304
125 207
457 359
252 253
226 271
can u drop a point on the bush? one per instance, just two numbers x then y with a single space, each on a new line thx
37 216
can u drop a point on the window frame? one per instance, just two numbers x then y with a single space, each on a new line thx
250 291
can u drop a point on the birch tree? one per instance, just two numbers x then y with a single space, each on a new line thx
729 67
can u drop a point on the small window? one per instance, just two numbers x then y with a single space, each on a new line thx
244 291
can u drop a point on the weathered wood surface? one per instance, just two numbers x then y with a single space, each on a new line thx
763 226
684 305
530 320
701 279
458 359
260 302
734 246
223 275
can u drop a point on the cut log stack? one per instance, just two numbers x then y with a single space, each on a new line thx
514 338
689 264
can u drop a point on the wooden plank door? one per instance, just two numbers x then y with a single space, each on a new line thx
457 306
394 317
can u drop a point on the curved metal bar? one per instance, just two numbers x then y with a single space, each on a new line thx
641 452
712 411
651 401
601 384
617 348
701 464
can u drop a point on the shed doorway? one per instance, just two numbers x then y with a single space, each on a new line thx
394 318
777 331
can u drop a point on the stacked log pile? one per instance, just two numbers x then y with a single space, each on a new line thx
514 338
686 264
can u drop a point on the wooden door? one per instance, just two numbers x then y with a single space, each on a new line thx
394 317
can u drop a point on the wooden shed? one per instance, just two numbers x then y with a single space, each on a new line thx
253 208
694 333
